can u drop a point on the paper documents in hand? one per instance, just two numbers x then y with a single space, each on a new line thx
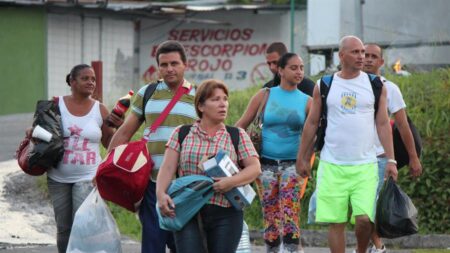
222 166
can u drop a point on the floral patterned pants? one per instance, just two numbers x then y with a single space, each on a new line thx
279 189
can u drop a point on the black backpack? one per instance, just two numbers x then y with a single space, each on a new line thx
233 131
400 152
147 95
325 85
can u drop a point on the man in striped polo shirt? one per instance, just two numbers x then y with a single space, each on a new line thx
171 59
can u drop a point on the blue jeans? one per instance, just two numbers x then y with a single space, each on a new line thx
154 239
66 199
222 228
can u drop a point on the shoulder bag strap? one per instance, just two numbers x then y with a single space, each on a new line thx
377 87
234 133
260 113
56 100
325 86
180 92
147 95
184 131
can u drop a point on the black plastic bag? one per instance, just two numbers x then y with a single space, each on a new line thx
396 214
47 154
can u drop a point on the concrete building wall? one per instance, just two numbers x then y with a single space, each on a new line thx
406 20
300 34
324 22
414 31
73 39
421 25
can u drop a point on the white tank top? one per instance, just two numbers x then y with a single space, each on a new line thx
82 137
350 134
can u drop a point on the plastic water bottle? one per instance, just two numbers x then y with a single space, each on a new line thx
121 106
244 244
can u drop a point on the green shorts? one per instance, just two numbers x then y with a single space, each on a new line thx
341 186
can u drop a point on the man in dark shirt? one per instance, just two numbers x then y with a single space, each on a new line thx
273 54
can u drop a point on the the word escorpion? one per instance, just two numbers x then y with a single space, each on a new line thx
221 50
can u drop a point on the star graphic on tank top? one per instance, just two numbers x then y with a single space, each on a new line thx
75 130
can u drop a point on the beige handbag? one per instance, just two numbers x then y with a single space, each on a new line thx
254 130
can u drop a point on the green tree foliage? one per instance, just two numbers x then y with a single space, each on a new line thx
428 99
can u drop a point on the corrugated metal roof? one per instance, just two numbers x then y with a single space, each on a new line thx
226 7
118 6
152 7
152 10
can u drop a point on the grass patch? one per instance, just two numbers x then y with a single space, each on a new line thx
42 184
127 221
431 251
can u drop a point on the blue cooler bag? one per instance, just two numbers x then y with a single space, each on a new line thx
189 194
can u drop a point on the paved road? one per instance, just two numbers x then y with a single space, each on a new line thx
135 248
12 131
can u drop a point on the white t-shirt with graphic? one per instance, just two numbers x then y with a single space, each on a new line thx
82 137
350 134
395 103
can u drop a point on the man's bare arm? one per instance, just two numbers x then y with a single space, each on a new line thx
126 131
385 134
309 135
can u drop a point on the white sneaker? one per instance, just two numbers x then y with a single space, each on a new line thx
375 250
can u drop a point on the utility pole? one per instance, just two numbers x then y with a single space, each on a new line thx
359 24
293 23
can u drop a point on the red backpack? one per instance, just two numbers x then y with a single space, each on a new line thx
123 175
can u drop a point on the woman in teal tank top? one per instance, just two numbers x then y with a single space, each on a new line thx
279 186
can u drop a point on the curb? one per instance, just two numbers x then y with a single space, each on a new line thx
5 246
319 238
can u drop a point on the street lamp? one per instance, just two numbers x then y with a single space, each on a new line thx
292 24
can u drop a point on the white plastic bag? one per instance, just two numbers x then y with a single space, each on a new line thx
244 244
94 229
